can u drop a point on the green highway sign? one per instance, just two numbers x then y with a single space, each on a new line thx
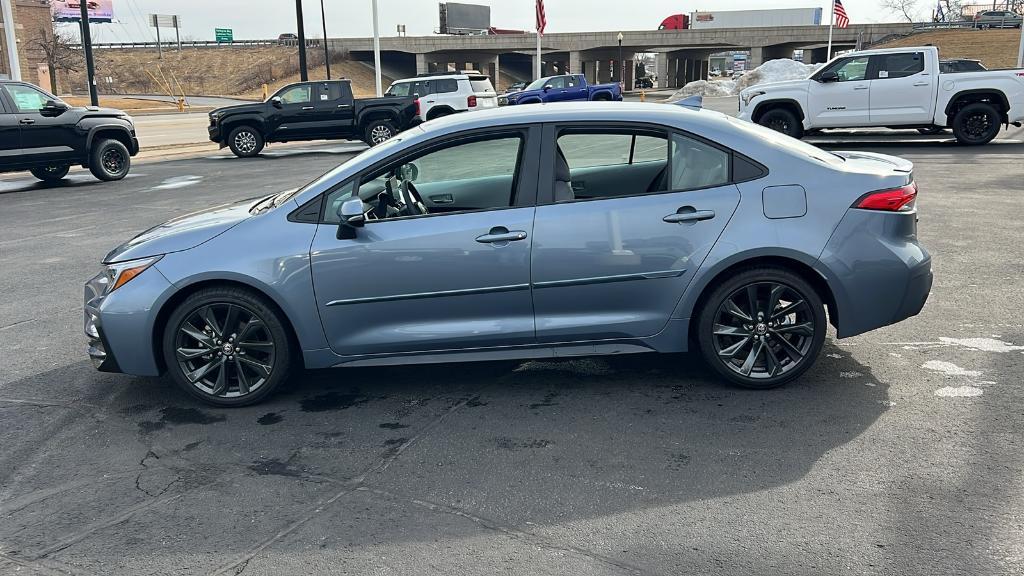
224 34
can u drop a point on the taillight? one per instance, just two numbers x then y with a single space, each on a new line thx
892 200
417 102
471 101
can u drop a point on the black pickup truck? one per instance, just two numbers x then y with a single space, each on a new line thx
310 111
42 134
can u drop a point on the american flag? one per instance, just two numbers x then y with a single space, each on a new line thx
842 20
542 21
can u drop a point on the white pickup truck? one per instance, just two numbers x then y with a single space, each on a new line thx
892 88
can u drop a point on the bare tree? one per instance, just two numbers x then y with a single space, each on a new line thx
908 9
57 51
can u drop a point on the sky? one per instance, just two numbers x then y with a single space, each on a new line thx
260 19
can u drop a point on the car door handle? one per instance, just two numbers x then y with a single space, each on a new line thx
501 235
860 87
688 214
307 107
442 199
343 105
922 83
27 121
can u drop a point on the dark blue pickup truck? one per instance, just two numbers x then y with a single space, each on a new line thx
562 89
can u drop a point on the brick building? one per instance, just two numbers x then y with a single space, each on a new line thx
31 19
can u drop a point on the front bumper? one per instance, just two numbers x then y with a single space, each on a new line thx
215 135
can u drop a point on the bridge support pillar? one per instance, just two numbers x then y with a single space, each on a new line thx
421 64
575 63
494 71
756 57
604 71
661 69
590 71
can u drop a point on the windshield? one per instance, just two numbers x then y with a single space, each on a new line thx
538 84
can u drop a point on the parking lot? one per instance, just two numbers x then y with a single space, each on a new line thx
900 452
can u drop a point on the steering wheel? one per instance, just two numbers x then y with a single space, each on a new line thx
411 198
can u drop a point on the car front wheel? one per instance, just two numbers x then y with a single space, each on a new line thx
51 173
109 160
245 142
782 120
762 327
227 347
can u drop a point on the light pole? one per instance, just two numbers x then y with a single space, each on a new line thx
327 54
12 42
376 50
622 65
303 72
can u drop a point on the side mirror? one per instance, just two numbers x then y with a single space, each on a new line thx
829 76
53 108
353 216
548 87
276 101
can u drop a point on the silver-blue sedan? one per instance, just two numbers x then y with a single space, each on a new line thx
549 231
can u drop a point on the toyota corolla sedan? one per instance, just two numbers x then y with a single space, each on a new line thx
555 231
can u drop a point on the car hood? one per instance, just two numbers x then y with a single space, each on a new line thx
780 85
182 233
97 112
237 108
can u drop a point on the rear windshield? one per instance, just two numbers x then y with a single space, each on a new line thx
481 85
783 141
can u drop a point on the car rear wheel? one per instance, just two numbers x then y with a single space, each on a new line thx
762 327
976 124
227 347
51 173
109 160
379 131
782 120
245 141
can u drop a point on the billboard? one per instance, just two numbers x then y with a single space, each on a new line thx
464 18
71 10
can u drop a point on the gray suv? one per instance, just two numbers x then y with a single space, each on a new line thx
997 19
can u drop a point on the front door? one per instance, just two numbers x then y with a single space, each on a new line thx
42 137
456 277
630 225
296 117
901 90
843 102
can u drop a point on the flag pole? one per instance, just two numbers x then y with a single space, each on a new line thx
537 66
831 20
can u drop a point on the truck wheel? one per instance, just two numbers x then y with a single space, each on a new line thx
51 173
782 120
976 124
378 131
109 160
245 141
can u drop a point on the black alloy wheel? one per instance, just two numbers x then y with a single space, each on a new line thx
976 124
782 120
51 173
109 160
762 328
226 347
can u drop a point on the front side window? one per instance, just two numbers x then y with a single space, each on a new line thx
557 82
27 99
851 69
899 65
296 95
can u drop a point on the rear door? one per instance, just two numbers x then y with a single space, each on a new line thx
613 263
339 109
10 134
844 102
902 90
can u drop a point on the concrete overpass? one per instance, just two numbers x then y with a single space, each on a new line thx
682 55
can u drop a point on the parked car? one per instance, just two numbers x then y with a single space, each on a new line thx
562 89
310 111
960 65
444 94
645 82
568 230
42 134
997 19
894 88
287 37
517 86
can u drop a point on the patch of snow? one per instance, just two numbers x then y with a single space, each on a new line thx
834 355
851 374
982 344
778 70
705 88
949 369
959 392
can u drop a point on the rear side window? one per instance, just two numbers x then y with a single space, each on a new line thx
445 85
610 163
482 85
696 164
898 65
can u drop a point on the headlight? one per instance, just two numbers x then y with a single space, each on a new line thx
120 273
748 96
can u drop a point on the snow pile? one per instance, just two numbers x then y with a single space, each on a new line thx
771 71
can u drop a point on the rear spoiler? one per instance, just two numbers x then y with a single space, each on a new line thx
695 102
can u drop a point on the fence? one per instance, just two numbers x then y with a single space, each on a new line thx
310 43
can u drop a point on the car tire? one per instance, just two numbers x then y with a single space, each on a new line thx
976 124
109 160
439 114
931 130
766 338
227 346
246 141
782 120
379 131
51 173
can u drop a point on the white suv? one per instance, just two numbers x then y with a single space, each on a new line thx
446 93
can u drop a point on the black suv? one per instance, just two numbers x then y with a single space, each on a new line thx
310 111
45 136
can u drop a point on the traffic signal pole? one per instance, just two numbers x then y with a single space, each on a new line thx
303 71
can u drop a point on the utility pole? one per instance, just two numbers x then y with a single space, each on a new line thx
303 72
1020 49
12 43
327 53
90 68
376 50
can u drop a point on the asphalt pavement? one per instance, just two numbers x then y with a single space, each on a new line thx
900 452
